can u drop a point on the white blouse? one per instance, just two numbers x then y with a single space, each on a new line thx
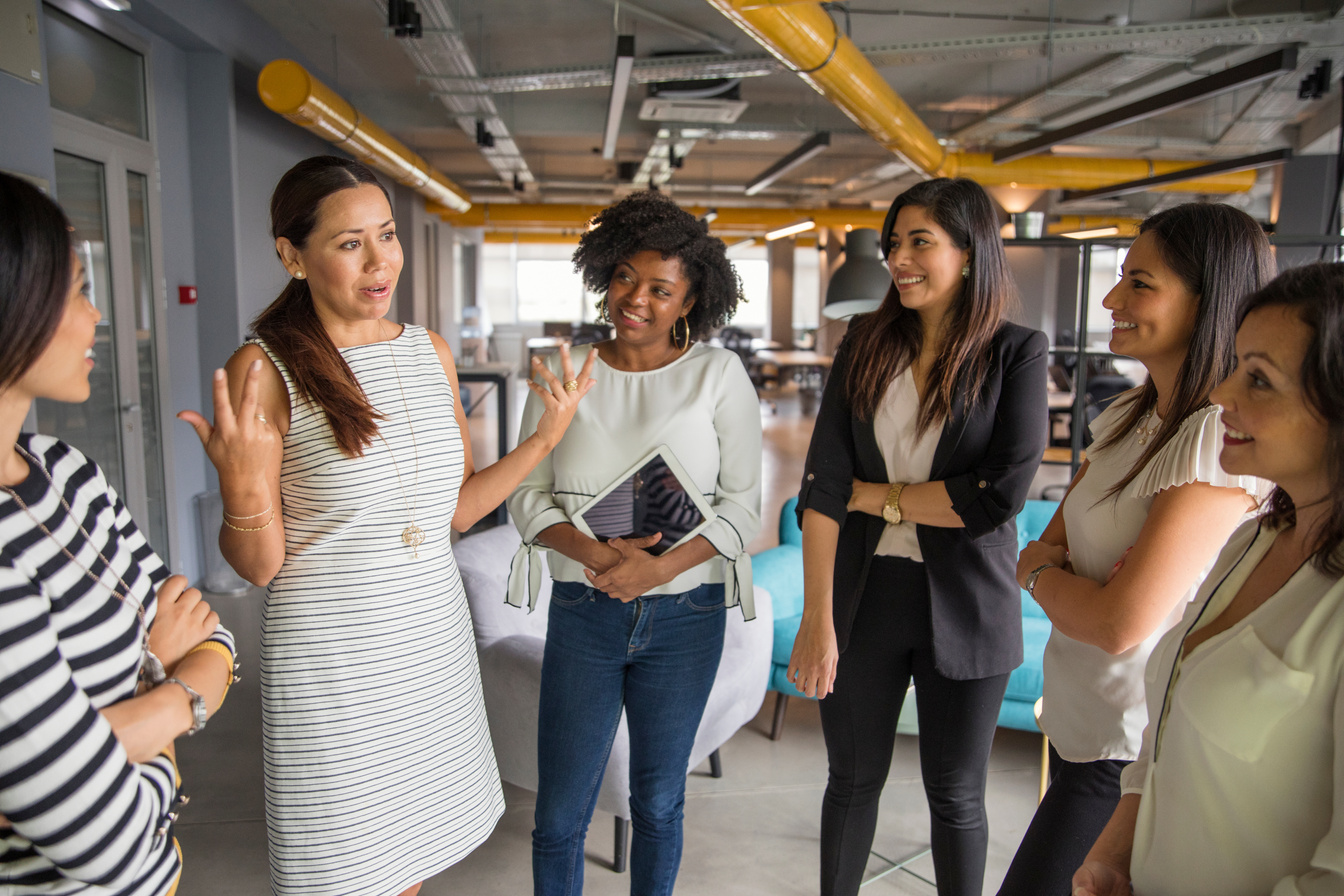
704 408
1093 704
909 456
1242 783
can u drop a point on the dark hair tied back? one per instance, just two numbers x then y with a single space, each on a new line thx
290 326
35 272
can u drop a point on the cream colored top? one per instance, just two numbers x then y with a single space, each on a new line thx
1093 707
909 457
1242 779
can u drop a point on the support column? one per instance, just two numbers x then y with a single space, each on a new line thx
1305 200
829 332
779 253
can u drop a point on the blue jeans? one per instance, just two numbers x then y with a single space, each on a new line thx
655 656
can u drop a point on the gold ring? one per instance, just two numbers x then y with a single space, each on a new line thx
572 386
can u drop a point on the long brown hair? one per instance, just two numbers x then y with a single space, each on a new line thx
886 342
290 326
1221 256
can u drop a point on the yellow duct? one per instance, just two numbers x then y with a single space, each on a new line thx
802 36
508 217
1075 223
287 88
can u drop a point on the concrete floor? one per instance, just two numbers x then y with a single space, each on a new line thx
753 831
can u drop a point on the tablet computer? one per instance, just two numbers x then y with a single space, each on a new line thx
654 495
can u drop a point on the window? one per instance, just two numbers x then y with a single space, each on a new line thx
549 290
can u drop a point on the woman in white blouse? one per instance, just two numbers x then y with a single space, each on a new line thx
1239 787
1142 521
638 623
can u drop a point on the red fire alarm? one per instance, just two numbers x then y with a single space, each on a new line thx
186 295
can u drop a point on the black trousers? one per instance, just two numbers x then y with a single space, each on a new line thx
890 644
1080 800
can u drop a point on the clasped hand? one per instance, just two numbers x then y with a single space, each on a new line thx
182 620
634 573
1039 553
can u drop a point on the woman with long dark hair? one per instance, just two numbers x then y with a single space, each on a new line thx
344 463
105 658
930 431
1143 519
1237 788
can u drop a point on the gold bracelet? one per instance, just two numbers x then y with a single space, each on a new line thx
252 516
256 528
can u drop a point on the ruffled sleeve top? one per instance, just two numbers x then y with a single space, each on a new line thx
1094 701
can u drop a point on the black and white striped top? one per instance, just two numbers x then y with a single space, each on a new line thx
79 816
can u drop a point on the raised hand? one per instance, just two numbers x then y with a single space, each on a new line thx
241 442
560 399
635 574
181 621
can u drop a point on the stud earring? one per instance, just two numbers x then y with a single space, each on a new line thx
299 275
965 271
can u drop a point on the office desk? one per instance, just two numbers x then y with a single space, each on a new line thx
500 378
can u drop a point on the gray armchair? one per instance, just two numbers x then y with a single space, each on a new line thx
510 643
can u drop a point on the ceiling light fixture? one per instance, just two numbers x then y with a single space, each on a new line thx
404 19
1093 234
1260 69
741 244
115 5
620 86
800 227
816 144
1222 166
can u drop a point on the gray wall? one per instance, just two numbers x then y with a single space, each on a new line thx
25 110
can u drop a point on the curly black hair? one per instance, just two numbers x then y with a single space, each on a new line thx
649 220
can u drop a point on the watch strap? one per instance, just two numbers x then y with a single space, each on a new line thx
198 710
891 508
1036 574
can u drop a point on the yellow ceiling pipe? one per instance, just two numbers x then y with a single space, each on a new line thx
510 216
1075 223
803 37
290 90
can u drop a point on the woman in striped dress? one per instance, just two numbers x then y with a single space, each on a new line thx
105 659
342 471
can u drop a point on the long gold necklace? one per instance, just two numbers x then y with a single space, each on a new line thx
150 664
412 536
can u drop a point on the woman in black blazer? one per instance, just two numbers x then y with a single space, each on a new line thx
930 430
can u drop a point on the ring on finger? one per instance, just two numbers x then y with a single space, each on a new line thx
261 418
571 385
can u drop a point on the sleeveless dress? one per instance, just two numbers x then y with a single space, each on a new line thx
379 770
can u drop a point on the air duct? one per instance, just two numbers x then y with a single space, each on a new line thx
288 89
802 36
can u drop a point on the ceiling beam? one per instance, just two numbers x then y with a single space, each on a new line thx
1222 166
817 144
1252 72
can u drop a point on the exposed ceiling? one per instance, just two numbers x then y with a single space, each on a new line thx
982 74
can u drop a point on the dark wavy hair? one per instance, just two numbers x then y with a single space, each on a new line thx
35 271
888 340
290 326
649 220
1221 255
1315 292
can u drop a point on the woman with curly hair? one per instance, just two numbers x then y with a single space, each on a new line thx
631 626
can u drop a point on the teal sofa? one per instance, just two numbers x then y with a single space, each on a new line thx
779 570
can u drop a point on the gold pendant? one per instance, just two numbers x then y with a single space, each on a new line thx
413 536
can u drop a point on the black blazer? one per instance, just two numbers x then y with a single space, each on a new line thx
987 459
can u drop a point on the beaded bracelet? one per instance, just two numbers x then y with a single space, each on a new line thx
250 528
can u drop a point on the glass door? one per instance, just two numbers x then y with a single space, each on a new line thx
103 182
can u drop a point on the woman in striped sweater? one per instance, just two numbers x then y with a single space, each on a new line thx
105 659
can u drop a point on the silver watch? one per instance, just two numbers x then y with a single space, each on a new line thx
198 711
1036 574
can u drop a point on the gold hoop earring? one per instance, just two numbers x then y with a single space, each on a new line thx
602 314
682 346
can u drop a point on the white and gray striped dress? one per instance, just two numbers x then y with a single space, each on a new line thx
378 763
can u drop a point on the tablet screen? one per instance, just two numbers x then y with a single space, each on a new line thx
650 500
